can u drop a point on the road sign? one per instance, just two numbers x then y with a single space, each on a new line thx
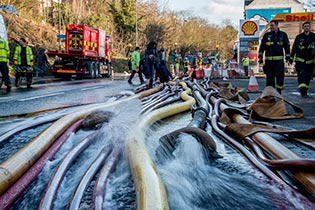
61 36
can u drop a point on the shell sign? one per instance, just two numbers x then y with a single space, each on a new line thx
249 28
296 17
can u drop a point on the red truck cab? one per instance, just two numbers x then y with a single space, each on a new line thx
87 53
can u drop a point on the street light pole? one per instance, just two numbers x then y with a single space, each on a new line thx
136 24
59 22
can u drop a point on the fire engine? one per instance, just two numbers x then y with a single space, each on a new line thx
87 54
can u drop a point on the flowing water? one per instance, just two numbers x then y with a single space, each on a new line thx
194 182
115 131
191 180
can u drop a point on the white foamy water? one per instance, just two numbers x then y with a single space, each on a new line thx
194 182
191 180
115 131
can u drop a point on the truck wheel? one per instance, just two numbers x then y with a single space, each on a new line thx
110 70
18 81
96 68
91 70
1 81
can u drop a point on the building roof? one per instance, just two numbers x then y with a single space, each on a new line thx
295 5
273 2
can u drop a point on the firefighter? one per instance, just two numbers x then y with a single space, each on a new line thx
273 44
41 60
195 63
186 65
150 63
200 62
303 48
23 57
161 55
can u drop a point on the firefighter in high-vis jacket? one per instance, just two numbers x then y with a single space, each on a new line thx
200 62
4 57
273 44
23 57
303 51
195 63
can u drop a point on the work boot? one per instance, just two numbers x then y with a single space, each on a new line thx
279 90
303 92
8 89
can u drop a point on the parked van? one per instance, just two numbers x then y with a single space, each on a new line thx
3 31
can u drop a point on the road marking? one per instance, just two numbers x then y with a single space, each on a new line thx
298 94
42 96
2 98
91 88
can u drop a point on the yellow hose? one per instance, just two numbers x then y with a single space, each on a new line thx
17 164
150 189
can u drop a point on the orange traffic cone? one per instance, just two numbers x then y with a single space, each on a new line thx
253 84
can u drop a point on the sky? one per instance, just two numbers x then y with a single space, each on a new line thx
214 11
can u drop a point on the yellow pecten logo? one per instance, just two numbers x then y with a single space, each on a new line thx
249 28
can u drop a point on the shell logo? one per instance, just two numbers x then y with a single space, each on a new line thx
249 28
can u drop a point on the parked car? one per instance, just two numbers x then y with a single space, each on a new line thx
4 36
8 9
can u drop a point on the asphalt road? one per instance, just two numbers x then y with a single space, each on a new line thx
51 93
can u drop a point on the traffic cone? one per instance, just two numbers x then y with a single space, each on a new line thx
253 84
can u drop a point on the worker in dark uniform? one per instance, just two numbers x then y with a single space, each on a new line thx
4 57
186 65
273 44
303 48
41 60
150 63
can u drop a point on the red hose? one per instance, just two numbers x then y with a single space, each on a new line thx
51 189
13 193
244 151
100 187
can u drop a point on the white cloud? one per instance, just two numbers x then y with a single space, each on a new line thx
218 10
215 11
